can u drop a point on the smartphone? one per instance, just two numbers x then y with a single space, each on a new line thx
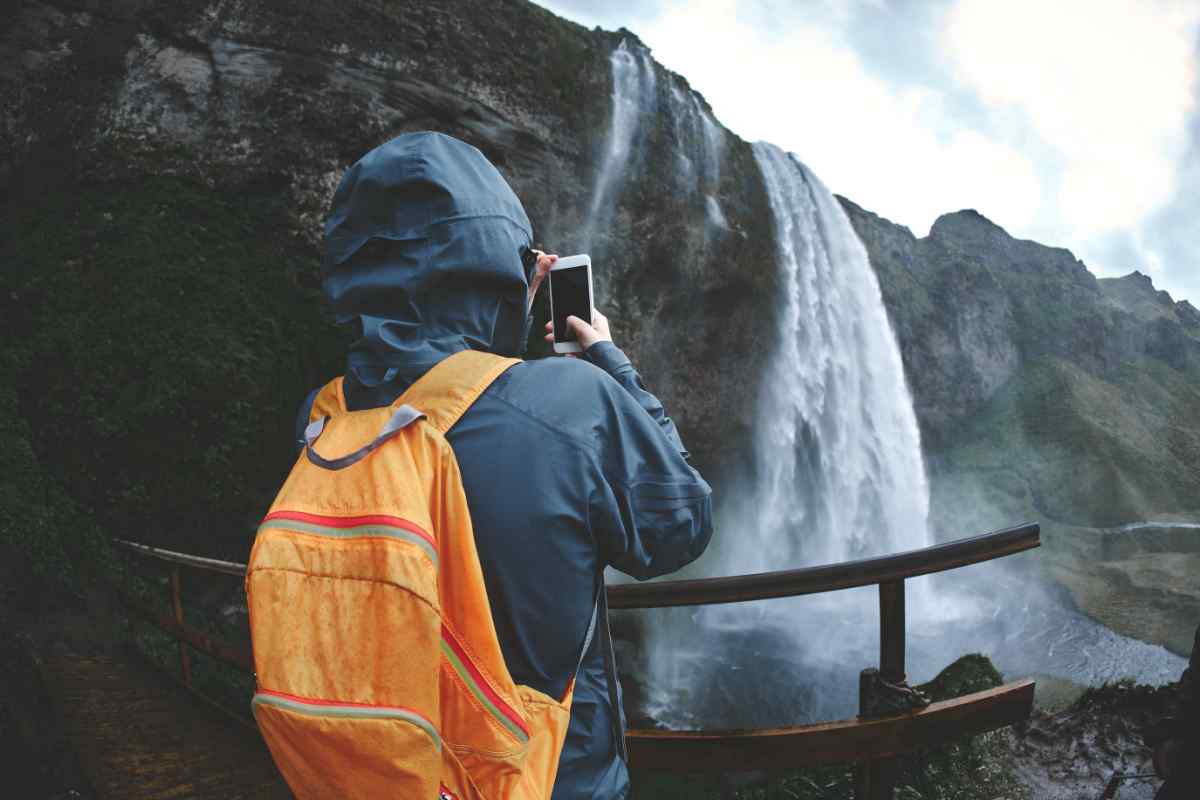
570 295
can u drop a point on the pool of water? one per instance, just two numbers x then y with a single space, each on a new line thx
801 662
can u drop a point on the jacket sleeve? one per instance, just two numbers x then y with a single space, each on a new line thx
613 360
650 511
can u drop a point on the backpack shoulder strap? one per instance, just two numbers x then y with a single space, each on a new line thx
329 401
444 393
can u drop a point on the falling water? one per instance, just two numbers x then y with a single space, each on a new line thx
714 141
633 94
839 475
698 145
838 452
837 471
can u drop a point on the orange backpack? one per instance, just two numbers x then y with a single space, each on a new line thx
379 672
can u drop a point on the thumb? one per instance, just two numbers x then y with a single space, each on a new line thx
583 332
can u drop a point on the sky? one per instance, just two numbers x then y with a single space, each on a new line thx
1075 123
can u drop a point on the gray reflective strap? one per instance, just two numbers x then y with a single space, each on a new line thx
314 430
610 673
399 420
591 631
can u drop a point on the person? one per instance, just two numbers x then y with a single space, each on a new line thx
1176 739
569 465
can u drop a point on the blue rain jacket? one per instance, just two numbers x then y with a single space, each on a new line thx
569 465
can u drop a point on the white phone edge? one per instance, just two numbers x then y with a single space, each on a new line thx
566 262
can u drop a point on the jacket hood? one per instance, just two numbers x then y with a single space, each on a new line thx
423 249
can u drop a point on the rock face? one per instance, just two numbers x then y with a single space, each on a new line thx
167 167
122 119
1039 388
1046 394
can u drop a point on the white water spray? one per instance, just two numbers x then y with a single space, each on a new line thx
633 94
838 476
838 452
699 143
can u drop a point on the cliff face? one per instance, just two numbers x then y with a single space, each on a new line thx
184 153
1044 393
167 167
1053 393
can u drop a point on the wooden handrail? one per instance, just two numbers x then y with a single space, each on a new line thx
855 739
760 586
828 577
872 742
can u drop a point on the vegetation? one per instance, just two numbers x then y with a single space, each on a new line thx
160 336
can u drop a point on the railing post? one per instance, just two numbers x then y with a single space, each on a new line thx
876 780
185 665
891 631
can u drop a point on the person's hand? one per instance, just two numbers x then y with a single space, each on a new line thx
587 335
544 263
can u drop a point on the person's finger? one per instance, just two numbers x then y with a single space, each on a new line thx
585 334
550 325
544 262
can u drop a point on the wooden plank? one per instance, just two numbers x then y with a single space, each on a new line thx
830 742
827 578
219 650
140 738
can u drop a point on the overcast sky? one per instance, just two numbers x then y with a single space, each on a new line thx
1075 122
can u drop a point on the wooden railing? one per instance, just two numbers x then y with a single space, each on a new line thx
872 742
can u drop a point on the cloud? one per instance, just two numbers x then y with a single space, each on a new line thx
1063 122
1172 232
1106 83
899 150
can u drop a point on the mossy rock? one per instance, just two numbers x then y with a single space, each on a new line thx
969 674
161 335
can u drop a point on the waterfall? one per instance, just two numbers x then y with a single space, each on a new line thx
838 452
714 142
697 147
838 470
699 142
633 94
838 475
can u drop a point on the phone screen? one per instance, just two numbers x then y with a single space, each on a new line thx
569 297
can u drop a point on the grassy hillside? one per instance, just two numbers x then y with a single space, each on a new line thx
1084 449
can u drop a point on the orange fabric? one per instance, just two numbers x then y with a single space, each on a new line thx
377 662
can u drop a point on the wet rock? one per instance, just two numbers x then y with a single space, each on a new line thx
237 95
1075 752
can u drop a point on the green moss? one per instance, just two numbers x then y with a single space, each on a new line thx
161 336
971 673
1120 439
